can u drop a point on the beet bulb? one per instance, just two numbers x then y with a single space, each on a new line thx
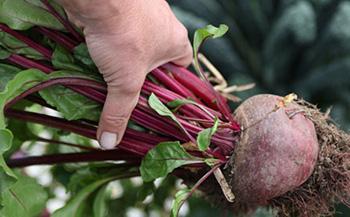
277 151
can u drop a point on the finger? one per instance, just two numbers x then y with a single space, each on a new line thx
114 118
186 56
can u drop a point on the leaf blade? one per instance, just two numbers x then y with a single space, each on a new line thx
163 159
180 197
22 15
204 137
73 206
16 202
160 108
203 34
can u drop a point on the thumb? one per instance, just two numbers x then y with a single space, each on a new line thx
115 115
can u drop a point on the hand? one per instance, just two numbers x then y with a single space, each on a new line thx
126 40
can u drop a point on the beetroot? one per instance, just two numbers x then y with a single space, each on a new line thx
277 150
290 157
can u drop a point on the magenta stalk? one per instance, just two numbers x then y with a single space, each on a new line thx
93 156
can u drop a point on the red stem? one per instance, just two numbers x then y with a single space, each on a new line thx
200 181
28 63
172 84
58 37
63 21
166 96
52 141
68 81
150 120
193 83
205 177
204 90
71 126
100 97
38 47
37 100
161 125
115 155
149 138
136 146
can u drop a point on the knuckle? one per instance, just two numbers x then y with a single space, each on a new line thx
129 85
183 48
182 35
188 51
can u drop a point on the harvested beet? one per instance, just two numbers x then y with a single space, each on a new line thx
277 150
291 158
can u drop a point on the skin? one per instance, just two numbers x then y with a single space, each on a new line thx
126 40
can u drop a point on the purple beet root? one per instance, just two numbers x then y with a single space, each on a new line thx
277 151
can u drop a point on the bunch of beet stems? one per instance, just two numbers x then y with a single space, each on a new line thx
169 82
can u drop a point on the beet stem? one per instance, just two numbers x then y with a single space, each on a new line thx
72 126
63 21
172 84
41 49
52 141
93 156
55 81
58 37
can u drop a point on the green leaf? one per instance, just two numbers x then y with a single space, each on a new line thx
180 197
7 176
22 15
147 189
100 208
81 53
7 73
26 79
204 33
204 137
4 53
15 46
20 130
160 108
211 161
177 103
53 3
163 159
25 198
82 177
72 105
82 56
90 173
63 60
75 206
21 82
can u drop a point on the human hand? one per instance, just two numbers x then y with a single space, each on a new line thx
126 40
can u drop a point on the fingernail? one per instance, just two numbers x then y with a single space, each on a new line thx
108 140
